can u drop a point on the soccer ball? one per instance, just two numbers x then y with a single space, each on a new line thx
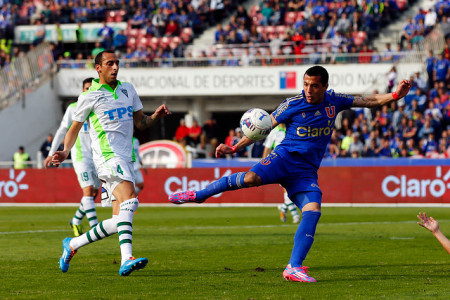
256 124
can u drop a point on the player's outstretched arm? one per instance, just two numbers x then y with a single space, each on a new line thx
57 139
142 121
223 149
69 141
433 226
377 100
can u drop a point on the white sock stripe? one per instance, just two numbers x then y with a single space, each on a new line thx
238 179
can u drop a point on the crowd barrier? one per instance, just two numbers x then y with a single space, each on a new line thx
350 185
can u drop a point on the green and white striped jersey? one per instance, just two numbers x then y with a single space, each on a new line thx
110 114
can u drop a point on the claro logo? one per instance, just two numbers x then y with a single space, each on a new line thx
403 186
175 184
11 187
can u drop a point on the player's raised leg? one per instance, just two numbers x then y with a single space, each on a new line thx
304 237
227 183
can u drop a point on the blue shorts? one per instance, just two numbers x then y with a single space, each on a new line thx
288 169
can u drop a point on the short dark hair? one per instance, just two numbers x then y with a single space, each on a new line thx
99 57
87 80
318 71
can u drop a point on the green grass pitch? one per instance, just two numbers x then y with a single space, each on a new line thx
227 253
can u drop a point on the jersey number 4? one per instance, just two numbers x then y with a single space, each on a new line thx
119 169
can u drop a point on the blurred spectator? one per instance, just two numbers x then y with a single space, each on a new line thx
20 158
209 136
97 49
120 41
46 146
181 133
242 152
441 69
230 139
392 78
107 35
40 33
195 131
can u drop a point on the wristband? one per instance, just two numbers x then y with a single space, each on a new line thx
233 149
395 96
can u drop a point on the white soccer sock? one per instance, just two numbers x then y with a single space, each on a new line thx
125 227
101 230
290 205
79 214
89 209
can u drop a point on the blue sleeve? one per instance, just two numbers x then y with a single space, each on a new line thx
343 101
284 111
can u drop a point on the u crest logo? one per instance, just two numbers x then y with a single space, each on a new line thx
331 111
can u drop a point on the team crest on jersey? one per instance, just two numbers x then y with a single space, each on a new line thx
331 111
303 115
125 92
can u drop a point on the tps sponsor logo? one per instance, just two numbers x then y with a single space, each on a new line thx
288 80
11 187
403 186
163 154
119 112
176 184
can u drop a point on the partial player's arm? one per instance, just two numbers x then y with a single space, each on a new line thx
142 121
377 100
69 141
433 226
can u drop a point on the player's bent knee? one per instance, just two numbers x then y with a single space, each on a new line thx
252 179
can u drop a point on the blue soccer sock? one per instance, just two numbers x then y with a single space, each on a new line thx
304 237
229 183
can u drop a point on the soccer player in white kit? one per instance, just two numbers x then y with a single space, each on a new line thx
139 179
83 165
112 107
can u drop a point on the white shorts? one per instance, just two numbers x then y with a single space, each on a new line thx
138 176
114 171
86 174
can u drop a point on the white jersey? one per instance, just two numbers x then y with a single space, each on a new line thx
81 151
275 137
137 163
110 114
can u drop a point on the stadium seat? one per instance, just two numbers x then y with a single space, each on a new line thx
131 43
254 10
280 29
134 32
300 15
359 37
154 42
401 4
186 34
290 17
143 41
176 40
110 16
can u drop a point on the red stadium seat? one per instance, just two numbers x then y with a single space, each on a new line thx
110 16
254 10
280 29
186 35
133 32
176 40
131 43
300 15
260 29
290 17
359 37
401 4
143 41
118 17
154 42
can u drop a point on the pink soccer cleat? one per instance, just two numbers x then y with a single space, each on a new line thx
297 274
184 197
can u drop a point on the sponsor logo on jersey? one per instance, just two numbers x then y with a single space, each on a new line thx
119 112
125 92
317 114
314 131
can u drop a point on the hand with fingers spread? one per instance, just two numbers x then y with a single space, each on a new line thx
432 225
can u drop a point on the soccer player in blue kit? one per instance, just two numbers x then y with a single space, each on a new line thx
309 119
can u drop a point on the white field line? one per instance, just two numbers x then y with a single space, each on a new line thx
447 205
229 227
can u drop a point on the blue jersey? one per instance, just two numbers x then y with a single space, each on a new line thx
309 126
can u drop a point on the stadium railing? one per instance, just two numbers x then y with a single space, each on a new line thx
25 73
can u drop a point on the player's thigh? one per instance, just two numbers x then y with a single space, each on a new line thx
86 174
308 200
113 172
270 169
